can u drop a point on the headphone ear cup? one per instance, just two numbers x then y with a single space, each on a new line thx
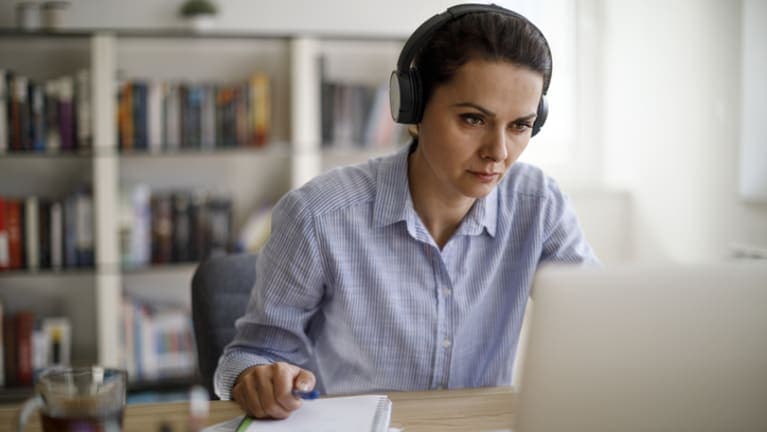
405 96
543 112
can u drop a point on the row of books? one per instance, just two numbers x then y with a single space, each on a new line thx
167 116
357 115
159 227
29 344
158 341
40 233
49 116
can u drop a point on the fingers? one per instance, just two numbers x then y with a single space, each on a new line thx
266 390
304 381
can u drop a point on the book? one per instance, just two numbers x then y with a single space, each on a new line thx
52 136
32 233
57 334
13 224
9 349
84 239
338 414
24 325
56 235
2 354
154 116
3 112
5 258
67 132
83 107
36 95
260 99
19 114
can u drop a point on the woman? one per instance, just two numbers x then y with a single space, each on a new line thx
413 270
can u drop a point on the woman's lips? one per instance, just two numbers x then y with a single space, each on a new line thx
484 177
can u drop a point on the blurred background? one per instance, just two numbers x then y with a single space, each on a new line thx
157 139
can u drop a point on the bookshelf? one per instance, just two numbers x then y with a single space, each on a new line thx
91 298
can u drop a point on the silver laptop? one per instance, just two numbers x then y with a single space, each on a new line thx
646 348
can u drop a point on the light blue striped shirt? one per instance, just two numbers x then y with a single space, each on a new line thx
352 287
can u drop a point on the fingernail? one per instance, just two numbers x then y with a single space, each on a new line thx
303 385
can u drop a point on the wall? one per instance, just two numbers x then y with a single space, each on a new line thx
671 125
395 17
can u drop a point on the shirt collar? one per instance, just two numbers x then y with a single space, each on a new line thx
393 202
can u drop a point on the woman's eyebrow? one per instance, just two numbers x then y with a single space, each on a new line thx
489 113
484 110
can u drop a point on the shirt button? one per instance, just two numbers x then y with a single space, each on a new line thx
446 343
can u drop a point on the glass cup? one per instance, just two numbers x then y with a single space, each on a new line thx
81 399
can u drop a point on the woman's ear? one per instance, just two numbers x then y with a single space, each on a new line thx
413 130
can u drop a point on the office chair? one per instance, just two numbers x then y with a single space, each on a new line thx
220 292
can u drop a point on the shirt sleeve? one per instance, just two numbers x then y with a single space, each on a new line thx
288 291
564 241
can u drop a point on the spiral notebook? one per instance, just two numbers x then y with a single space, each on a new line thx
336 414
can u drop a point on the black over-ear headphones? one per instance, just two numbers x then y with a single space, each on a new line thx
406 98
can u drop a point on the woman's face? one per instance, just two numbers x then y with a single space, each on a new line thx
475 126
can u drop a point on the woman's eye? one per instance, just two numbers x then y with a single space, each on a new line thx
473 119
521 127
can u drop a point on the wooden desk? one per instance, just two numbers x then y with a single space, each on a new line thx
433 411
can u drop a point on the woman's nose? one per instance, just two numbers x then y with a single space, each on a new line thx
494 147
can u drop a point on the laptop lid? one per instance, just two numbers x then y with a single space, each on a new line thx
647 348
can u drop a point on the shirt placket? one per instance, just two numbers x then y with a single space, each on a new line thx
444 337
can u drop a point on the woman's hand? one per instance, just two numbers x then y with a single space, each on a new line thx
265 391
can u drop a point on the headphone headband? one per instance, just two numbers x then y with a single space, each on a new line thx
422 35
406 98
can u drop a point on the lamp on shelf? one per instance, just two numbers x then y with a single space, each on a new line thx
199 14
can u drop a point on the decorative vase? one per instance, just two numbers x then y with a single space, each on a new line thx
201 23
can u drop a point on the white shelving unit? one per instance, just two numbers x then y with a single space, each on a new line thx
252 177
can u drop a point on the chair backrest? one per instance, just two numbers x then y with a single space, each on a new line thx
220 292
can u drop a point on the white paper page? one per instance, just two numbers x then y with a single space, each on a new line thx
353 414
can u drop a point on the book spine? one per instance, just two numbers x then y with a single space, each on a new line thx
139 99
25 325
2 347
181 227
83 103
70 231
57 235
84 229
141 232
162 229
261 108
52 136
172 120
127 130
37 118
208 122
66 114
19 114
154 116
4 101
31 233
44 233
9 349
15 236
5 258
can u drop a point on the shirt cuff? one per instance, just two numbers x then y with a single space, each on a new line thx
229 368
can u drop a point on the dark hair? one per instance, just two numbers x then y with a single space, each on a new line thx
486 36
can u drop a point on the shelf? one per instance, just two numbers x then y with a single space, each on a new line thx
185 267
55 154
85 271
182 33
14 395
272 149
